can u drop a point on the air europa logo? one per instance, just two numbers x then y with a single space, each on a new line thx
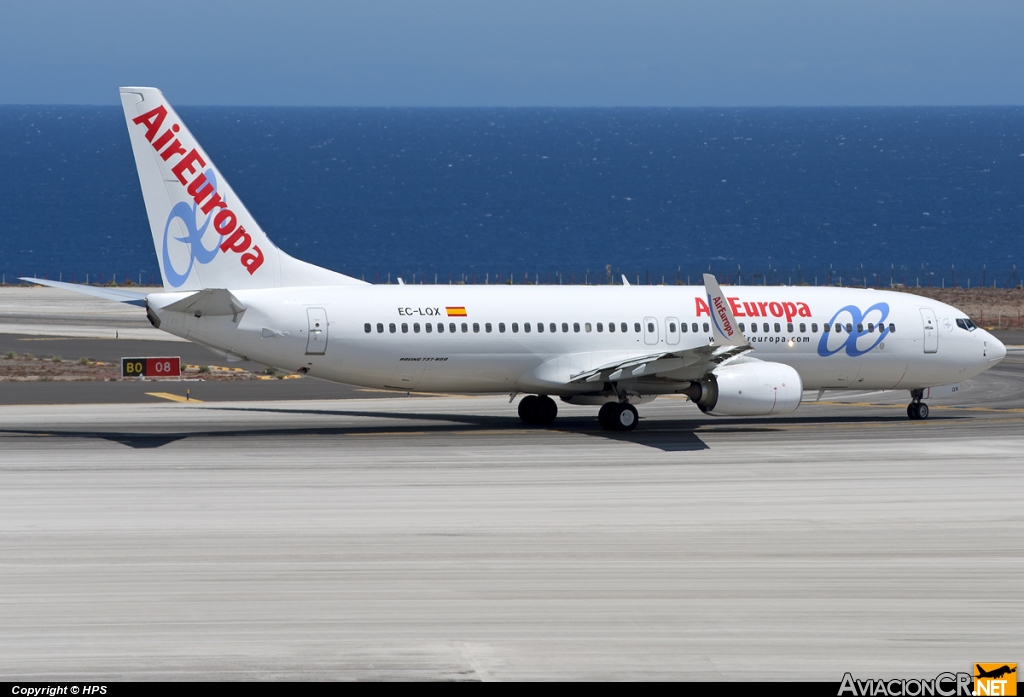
789 310
202 187
857 339
721 316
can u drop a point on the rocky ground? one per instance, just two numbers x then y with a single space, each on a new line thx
25 367
991 308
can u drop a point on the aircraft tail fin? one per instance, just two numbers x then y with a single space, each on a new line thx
204 235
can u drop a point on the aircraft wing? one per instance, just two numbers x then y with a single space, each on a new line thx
120 295
727 343
701 358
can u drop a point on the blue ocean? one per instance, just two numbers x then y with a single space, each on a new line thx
852 195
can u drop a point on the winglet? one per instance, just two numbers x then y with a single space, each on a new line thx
726 330
625 281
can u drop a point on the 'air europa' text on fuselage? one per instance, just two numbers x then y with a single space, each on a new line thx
789 310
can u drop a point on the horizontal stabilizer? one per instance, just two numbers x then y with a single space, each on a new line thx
210 302
131 297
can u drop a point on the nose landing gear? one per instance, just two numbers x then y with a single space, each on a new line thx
538 410
618 416
917 410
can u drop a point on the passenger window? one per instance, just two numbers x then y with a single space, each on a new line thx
391 327
487 327
416 327
837 328
465 327
515 327
849 328
576 326
586 326
405 328
753 327
672 327
814 328
501 327
366 327
789 327
526 327
565 328
553 327
803 328
683 327
636 327
611 327
695 328
451 327
825 327
540 327
765 327
429 327
650 327
600 327
860 328
380 327
777 328
440 327
623 327
476 327
892 327
871 328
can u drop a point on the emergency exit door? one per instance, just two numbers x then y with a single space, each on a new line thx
316 343
931 331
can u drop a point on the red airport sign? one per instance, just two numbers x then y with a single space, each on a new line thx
151 367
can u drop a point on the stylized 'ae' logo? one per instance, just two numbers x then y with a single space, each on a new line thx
193 239
857 334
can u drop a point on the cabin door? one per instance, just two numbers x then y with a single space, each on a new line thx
931 331
316 343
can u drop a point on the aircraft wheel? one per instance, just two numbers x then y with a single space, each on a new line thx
528 409
546 411
917 411
626 417
605 417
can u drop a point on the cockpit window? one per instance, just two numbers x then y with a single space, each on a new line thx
966 324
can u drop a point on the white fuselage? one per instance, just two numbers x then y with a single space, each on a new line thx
898 340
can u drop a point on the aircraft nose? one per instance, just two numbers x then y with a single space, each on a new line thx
996 350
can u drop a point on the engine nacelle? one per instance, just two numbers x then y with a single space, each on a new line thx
754 388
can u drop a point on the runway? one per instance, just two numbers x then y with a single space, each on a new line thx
437 538
295 529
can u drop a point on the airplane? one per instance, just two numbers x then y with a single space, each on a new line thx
738 351
995 673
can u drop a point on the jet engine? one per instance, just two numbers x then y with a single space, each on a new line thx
754 388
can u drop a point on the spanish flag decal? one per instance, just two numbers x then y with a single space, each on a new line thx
456 311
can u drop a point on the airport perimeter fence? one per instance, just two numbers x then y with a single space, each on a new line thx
1004 277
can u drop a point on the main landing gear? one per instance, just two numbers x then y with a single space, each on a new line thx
618 416
917 410
538 410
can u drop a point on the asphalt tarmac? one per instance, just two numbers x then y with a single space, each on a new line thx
295 529
437 538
